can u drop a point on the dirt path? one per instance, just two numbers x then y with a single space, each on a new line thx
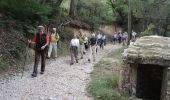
60 81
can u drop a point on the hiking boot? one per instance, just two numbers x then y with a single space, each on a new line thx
77 61
42 72
89 60
34 75
71 63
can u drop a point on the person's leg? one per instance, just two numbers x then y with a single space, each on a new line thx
76 53
90 53
84 48
50 50
37 58
43 59
72 56
94 53
81 51
55 49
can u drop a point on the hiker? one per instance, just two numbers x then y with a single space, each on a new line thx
41 41
85 43
133 35
115 37
104 39
74 45
54 37
124 38
96 36
93 45
81 41
120 37
99 39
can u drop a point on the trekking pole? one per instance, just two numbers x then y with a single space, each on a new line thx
25 59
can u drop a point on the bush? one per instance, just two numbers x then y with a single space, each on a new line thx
148 31
112 81
105 89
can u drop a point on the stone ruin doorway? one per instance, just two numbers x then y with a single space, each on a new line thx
146 75
149 81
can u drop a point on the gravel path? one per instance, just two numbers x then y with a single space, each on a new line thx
59 82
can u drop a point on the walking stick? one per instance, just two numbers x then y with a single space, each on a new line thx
25 59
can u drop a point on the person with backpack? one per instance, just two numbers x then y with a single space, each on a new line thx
54 38
74 45
81 40
120 37
93 45
85 43
41 41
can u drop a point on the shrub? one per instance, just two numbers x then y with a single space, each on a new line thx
105 89
148 31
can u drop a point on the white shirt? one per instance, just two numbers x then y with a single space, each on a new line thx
104 37
85 40
75 42
134 34
99 36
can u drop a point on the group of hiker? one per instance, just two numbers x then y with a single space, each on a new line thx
122 37
86 45
44 43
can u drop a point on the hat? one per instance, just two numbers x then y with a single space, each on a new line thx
40 27
54 29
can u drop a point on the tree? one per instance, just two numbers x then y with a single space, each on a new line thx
152 11
72 11
120 10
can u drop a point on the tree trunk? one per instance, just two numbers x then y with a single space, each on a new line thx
58 3
166 25
129 23
72 11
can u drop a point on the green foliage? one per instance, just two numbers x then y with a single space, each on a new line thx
28 11
104 84
120 10
112 81
105 89
63 48
3 66
66 34
153 11
148 31
94 12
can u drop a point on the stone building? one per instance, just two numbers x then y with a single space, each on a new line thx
148 64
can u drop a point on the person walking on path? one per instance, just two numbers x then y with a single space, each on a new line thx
85 43
99 39
41 41
93 45
74 45
103 39
114 38
120 37
81 40
54 37
124 38
133 36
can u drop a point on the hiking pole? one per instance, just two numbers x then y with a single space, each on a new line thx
25 59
